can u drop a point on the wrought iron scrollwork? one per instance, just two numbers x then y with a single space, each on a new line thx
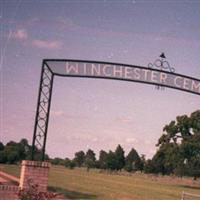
162 65
42 113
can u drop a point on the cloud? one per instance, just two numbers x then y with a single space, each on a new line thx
44 44
57 113
130 140
124 119
20 34
84 137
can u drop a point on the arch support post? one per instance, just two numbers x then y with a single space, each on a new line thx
42 113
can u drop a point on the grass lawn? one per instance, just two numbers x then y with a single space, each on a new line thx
80 184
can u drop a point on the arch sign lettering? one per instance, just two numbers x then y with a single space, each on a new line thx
102 70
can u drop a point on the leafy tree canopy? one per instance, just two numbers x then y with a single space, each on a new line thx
179 146
79 158
120 158
133 161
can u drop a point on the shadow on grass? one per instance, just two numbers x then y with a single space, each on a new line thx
196 187
72 194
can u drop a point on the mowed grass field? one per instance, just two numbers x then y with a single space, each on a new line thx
80 184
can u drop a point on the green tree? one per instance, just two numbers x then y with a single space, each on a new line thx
166 159
120 158
1 146
133 161
90 159
102 159
180 143
58 161
70 163
190 151
79 158
12 157
14 152
24 142
26 148
3 157
181 130
149 167
111 161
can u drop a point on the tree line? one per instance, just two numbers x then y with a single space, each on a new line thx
112 160
178 152
14 152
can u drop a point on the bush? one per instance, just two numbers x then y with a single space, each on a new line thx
33 193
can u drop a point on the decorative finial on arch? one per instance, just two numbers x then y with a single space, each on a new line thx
161 64
162 55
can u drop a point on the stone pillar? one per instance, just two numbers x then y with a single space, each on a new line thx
35 171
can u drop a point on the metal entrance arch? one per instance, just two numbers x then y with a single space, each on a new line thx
102 70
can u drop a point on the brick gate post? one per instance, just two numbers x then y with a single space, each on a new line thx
35 171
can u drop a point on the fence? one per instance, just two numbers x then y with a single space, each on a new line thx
188 196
